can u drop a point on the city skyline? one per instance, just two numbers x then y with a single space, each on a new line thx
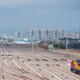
20 15
41 35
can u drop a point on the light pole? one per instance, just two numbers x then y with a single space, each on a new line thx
67 47
66 43
32 45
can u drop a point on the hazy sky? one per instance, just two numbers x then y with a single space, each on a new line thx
39 14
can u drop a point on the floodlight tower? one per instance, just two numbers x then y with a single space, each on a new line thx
32 44
68 55
66 43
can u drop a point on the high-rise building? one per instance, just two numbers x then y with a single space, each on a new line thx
66 35
36 34
77 35
60 33
39 34
18 35
30 34
44 34
73 35
52 34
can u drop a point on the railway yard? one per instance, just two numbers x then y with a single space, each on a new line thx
17 62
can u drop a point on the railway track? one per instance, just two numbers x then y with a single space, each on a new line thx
53 72
59 70
4 50
40 75
12 72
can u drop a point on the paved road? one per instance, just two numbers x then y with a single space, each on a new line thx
17 62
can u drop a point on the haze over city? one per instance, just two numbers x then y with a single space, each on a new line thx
39 39
20 15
